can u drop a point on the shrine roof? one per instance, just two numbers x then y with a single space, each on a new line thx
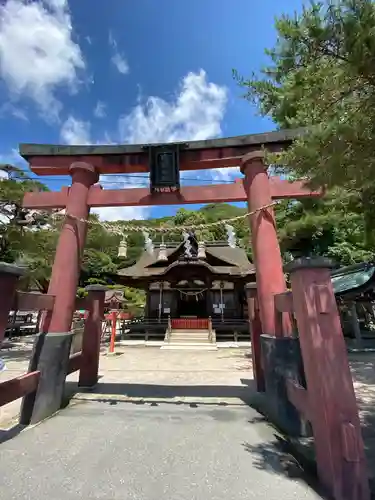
234 263
255 140
353 280
114 296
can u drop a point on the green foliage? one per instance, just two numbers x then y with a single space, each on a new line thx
322 77
27 245
323 227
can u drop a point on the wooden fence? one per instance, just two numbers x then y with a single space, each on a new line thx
328 401
84 356
18 387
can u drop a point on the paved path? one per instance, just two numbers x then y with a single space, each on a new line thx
160 425
123 451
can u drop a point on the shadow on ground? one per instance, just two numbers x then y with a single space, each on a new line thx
6 434
276 457
273 455
362 367
145 392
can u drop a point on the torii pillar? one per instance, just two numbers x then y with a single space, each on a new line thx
66 267
53 345
266 250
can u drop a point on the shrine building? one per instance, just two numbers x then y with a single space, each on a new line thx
190 289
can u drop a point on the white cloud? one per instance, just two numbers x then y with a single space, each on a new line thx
122 213
74 131
196 114
215 175
121 63
16 112
57 5
20 114
100 110
37 52
13 158
111 40
117 58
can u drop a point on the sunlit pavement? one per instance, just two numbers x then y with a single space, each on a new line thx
116 450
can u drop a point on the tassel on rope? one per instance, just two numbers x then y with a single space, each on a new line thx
149 246
201 250
163 257
187 244
231 235
123 248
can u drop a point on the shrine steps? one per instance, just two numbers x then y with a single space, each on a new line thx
190 340
189 347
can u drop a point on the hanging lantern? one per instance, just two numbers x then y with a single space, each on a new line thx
201 250
231 234
162 252
123 248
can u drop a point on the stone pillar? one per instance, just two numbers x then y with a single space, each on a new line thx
265 245
255 332
329 399
9 275
88 375
66 267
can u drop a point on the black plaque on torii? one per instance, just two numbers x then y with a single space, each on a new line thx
164 164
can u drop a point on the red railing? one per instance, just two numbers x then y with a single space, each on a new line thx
17 387
20 386
190 323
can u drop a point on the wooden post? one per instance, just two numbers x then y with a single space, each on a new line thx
88 375
113 331
9 275
330 402
255 332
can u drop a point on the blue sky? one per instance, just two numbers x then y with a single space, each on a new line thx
122 71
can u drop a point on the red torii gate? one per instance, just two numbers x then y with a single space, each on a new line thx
85 163
334 415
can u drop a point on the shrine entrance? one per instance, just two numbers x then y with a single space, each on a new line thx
165 163
192 303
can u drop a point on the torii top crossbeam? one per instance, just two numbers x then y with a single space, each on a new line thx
46 159
52 160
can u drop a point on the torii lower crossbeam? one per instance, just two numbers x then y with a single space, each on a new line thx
216 193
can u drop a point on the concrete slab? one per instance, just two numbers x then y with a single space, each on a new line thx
113 451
